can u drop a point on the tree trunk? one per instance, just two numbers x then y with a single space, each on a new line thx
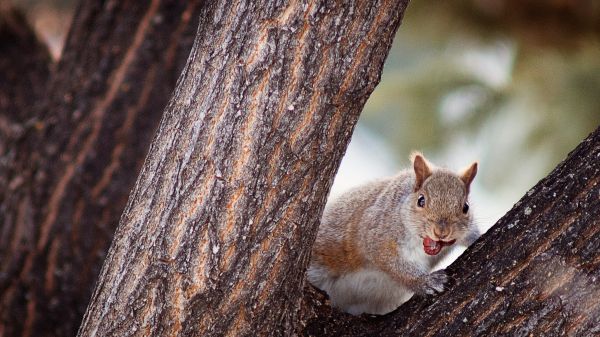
218 229
535 273
76 161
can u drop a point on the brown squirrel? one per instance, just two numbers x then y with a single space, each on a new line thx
377 243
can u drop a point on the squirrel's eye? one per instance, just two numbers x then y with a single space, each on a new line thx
465 208
421 201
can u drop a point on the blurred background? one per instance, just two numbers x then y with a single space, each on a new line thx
514 84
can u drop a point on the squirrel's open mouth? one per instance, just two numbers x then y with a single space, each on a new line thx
432 247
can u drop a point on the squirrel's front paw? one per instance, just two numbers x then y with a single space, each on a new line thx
434 282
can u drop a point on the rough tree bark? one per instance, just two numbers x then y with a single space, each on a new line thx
218 229
535 273
82 141
24 69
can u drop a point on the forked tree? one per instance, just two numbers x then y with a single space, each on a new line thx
218 228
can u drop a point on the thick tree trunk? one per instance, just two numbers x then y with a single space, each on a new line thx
535 273
218 229
75 164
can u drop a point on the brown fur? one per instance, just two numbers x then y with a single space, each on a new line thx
380 227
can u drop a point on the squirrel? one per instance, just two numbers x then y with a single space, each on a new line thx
377 243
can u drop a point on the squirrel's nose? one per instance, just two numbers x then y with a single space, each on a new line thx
441 233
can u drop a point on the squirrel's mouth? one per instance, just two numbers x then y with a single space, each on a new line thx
432 247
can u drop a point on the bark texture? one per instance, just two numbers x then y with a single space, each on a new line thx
535 273
24 70
217 232
76 161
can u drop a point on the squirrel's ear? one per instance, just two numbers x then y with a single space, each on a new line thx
468 175
422 169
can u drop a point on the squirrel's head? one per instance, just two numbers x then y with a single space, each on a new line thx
440 203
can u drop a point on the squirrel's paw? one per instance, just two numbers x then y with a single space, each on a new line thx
434 282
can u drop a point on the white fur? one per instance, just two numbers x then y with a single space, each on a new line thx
413 251
369 290
365 290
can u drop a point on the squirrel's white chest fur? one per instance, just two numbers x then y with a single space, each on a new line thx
368 290
413 251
